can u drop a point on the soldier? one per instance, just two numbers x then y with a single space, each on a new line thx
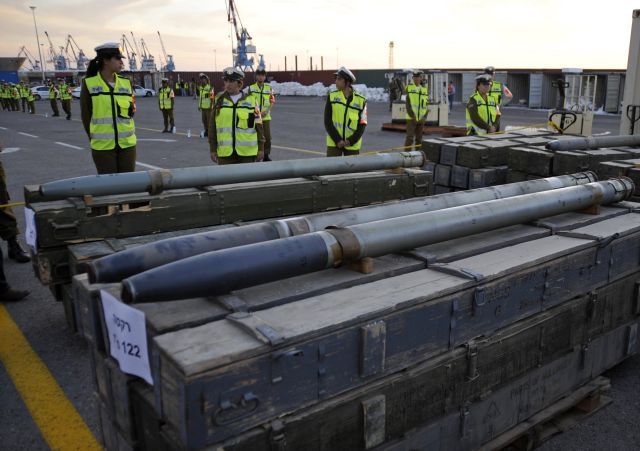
54 94
416 106
265 99
107 118
31 101
235 129
481 108
3 95
65 97
345 116
24 94
15 97
9 226
497 91
8 294
166 98
205 95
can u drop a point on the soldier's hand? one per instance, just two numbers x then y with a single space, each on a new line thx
260 155
341 144
214 156
492 129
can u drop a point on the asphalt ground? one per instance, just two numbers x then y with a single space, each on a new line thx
41 149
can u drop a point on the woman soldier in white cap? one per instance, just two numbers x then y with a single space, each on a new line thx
107 107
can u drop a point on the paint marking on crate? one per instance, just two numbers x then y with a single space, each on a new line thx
59 422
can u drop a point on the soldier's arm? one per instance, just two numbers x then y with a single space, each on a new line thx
85 108
260 131
407 105
328 123
472 106
213 138
362 124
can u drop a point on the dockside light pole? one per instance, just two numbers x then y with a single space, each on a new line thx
33 11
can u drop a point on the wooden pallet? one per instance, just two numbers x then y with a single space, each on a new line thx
559 417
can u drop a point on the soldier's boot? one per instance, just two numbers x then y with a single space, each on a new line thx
16 252
12 295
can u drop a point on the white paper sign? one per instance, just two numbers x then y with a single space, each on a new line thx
127 336
30 235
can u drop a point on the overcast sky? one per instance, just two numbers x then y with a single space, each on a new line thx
355 33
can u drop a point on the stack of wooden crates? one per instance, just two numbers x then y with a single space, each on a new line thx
449 346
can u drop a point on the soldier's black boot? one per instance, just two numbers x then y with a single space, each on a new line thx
12 295
16 252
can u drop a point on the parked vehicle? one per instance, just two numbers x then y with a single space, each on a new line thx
40 92
139 91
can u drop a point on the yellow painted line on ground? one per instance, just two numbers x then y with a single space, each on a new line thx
59 422
13 204
295 149
160 131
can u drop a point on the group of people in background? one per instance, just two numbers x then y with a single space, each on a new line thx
483 108
17 97
237 120
20 97
59 90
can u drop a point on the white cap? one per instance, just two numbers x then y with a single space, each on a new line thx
346 74
232 73
484 77
111 47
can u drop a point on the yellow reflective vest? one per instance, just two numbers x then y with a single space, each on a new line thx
53 93
111 113
64 92
263 99
418 99
496 91
486 110
164 98
236 126
24 91
346 115
205 93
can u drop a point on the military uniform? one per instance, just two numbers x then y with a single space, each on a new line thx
496 92
3 96
235 129
24 94
345 119
107 116
54 94
264 98
166 98
205 94
31 101
481 114
65 99
416 111
15 98
8 225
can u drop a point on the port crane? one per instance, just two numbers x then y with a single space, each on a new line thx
79 57
130 53
169 65
148 63
242 47
33 62
57 58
